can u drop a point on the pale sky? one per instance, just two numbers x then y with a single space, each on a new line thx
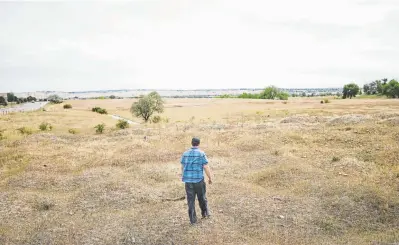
196 44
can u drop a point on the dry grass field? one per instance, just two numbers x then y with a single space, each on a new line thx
296 172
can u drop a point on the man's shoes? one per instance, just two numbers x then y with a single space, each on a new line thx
206 216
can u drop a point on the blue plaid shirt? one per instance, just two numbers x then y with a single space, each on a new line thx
193 162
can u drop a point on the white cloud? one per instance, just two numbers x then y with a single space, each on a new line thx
192 44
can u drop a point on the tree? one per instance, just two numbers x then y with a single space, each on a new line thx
366 89
350 90
270 93
11 97
391 89
147 106
3 101
112 97
55 99
30 99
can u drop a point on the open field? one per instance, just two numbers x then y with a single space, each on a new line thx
296 172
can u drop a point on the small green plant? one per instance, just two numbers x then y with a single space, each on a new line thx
326 101
44 126
73 131
99 110
44 205
122 124
335 159
2 137
100 128
67 106
156 119
102 111
95 109
165 120
25 130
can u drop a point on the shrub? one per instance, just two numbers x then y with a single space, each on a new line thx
99 110
95 109
326 101
55 99
25 130
2 137
100 128
322 102
67 106
335 159
122 124
156 119
165 120
102 111
44 205
73 131
45 126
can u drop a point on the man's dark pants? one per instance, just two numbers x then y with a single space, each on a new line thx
199 189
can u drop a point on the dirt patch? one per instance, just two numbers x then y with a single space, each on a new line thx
304 119
391 121
386 115
349 119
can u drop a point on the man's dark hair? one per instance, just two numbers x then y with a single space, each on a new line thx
195 141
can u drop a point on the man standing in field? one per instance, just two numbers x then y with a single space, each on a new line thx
193 164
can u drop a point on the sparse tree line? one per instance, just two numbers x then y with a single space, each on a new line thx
11 98
377 87
270 93
383 87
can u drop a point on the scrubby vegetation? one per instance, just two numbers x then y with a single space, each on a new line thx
99 110
67 106
298 173
270 93
100 128
122 124
25 130
73 131
44 126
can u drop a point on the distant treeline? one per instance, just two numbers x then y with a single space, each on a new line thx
382 87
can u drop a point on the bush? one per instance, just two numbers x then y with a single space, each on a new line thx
2 137
25 130
100 128
99 110
335 159
73 131
45 126
44 205
156 119
95 109
326 101
67 106
122 124
165 120
55 99
102 111
322 102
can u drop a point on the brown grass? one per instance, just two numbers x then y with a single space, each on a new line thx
295 173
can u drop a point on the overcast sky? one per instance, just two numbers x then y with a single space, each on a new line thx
191 44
